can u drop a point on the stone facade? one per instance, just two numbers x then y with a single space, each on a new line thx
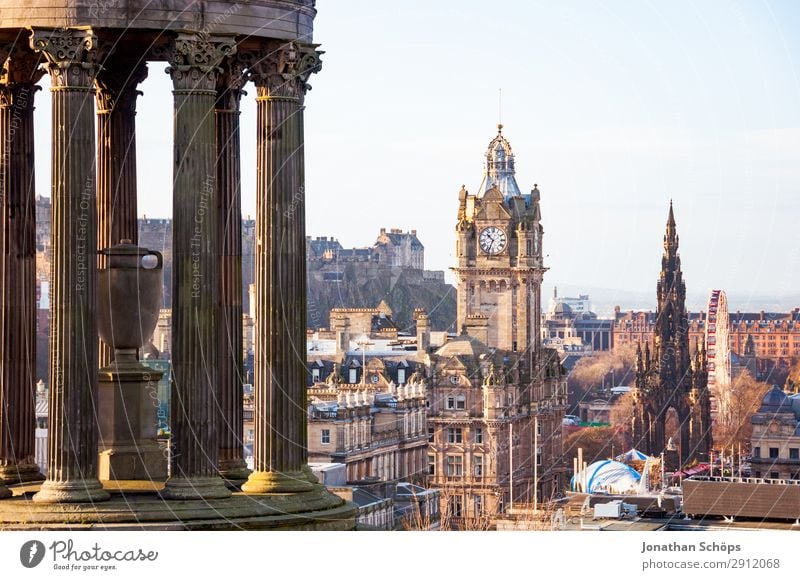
572 328
775 335
379 434
492 431
775 442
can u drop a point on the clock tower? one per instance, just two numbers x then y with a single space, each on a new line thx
499 253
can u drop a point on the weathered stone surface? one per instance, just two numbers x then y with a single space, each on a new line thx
229 209
283 19
18 79
127 418
140 508
72 439
195 333
280 73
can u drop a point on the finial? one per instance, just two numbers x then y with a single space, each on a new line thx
499 110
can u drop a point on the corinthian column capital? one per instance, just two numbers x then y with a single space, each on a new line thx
71 55
19 73
116 85
195 61
282 70
230 84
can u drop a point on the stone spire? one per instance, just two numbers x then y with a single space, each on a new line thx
672 376
671 328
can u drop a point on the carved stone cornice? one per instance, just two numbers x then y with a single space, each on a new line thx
19 73
71 56
230 83
116 85
281 70
195 61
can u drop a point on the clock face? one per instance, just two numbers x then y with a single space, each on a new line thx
493 240
374 378
454 379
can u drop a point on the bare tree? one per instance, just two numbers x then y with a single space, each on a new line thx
592 371
734 427
597 442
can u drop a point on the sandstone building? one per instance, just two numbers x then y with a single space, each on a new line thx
496 396
776 436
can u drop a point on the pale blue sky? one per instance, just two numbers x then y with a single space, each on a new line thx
612 107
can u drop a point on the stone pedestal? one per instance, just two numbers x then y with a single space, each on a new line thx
128 422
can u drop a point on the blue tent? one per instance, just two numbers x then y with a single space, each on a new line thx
607 476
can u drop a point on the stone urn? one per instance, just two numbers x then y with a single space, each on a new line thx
130 297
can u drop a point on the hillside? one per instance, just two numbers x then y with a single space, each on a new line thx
362 285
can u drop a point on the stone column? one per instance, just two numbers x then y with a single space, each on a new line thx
194 68
280 451
229 211
116 158
18 79
72 435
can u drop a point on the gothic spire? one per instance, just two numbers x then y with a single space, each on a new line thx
670 284
672 324
671 232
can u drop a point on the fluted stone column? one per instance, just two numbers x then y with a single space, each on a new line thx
18 79
116 158
72 434
194 67
280 453
229 210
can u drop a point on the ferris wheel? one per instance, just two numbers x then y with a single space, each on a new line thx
718 350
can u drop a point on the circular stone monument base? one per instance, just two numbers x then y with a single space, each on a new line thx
73 492
275 482
141 506
20 473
